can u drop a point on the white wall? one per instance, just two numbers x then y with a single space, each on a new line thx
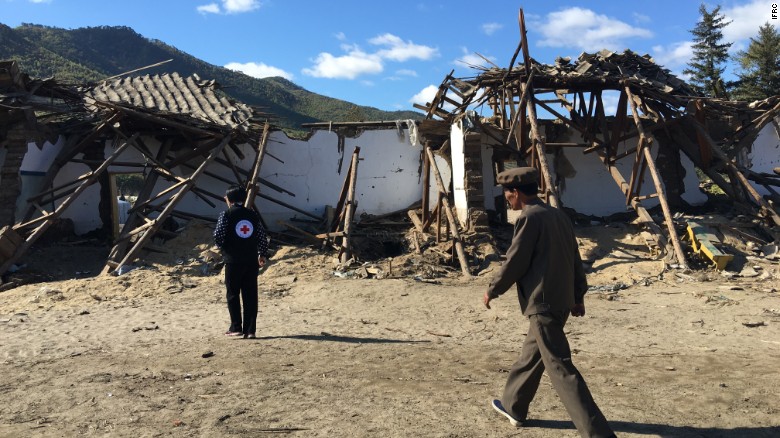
388 177
592 191
457 147
764 156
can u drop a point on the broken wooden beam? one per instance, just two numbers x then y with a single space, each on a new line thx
350 208
464 266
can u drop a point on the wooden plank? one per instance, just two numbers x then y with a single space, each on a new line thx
253 188
135 214
458 243
158 221
350 208
426 184
418 224
38 232
544 166
307 235
659 188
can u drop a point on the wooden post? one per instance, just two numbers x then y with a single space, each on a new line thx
438 219
350 208
169 207
464 266
93 176
253 186
658 183
426 184
551 194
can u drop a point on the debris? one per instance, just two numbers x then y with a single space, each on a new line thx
754 324
207 354
444 335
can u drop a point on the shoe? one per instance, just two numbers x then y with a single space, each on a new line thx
229 333
498 407
251 336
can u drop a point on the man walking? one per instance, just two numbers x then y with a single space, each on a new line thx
544 262
245 249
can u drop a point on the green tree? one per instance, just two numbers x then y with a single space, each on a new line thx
709 53
759 75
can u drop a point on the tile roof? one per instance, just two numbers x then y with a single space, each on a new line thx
175 95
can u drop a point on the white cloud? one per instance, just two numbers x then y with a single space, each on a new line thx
641 18
341 36
401 75
746 19
400 50
425 95
491 28
229 7
673 56
357 62
586 30
406 72
258 70
349 66
239 6
211 8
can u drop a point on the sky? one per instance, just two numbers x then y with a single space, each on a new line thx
389 55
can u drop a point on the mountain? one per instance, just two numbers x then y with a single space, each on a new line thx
94 53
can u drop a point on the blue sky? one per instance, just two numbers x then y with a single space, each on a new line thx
391 54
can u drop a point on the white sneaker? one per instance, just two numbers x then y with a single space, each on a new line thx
498 407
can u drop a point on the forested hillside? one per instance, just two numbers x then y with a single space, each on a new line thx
94 53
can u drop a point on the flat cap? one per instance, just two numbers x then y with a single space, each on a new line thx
518 176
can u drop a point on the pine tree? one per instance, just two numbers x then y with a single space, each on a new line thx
709 54
759 77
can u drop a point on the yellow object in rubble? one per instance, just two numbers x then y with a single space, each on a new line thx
703 242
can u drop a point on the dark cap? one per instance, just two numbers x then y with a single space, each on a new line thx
519 176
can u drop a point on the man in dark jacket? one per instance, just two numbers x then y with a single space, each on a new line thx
245 247
544 262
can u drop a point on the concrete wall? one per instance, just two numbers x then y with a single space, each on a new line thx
388 177
764 156
592 191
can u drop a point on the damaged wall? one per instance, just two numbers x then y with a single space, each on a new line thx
592 191
388 177
764 155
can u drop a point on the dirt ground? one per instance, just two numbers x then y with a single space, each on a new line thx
665 353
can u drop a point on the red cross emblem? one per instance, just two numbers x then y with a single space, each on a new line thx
244 229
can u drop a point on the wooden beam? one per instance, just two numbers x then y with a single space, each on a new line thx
350 208
658 183
253 187
426 184
550 191
38 232
458 243
141 242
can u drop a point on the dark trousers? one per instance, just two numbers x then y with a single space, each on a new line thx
546 347
241 284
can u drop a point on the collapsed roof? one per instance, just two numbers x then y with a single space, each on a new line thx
653 104
194 123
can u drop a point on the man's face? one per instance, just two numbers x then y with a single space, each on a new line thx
512 198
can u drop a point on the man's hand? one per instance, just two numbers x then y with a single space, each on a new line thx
261 261
486 299
578 310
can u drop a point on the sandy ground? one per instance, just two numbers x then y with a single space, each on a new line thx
665 354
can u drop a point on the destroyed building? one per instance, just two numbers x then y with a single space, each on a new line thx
62 147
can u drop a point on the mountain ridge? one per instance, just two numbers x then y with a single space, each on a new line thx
91 54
